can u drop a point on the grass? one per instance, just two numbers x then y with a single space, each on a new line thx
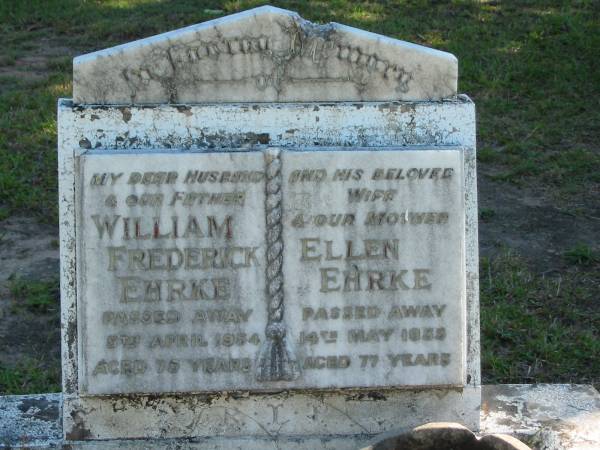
29 376
531 66
486 214
537 328
35 296
582 254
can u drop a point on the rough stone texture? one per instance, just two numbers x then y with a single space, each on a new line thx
250 126
265 54
242 414
568 413
201 128
406 283
373 265
30 420
143 326
552 415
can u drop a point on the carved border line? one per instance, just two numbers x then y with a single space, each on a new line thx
276 362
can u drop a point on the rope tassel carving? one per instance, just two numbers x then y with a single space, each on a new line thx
275 362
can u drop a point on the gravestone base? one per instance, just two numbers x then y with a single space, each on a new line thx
548 416
344 415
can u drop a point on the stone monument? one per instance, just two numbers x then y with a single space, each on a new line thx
268 234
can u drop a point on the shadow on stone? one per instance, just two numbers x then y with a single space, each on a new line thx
445 436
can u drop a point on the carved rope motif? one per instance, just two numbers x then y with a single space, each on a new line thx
275 362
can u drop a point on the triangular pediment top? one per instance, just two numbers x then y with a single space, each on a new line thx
265 54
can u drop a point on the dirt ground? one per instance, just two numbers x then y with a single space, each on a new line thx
29 252
33 64
529 222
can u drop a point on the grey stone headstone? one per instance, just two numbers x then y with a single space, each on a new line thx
265 54
268 228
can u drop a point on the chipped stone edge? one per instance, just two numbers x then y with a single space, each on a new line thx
68 272
266 9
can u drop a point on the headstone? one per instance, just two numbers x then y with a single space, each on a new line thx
263 55
268 232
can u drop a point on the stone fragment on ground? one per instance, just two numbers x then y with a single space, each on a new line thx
446 436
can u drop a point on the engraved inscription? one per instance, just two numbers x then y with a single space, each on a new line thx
274 269
297 55
264 55
171 261
374 259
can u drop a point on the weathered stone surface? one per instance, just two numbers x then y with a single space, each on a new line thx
265 54
201 127
362 255
554 416
567 412
170 271
373 266
195 130
284 414
30 421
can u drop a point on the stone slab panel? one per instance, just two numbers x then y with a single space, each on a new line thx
374 266
373 125
264 54
170 271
